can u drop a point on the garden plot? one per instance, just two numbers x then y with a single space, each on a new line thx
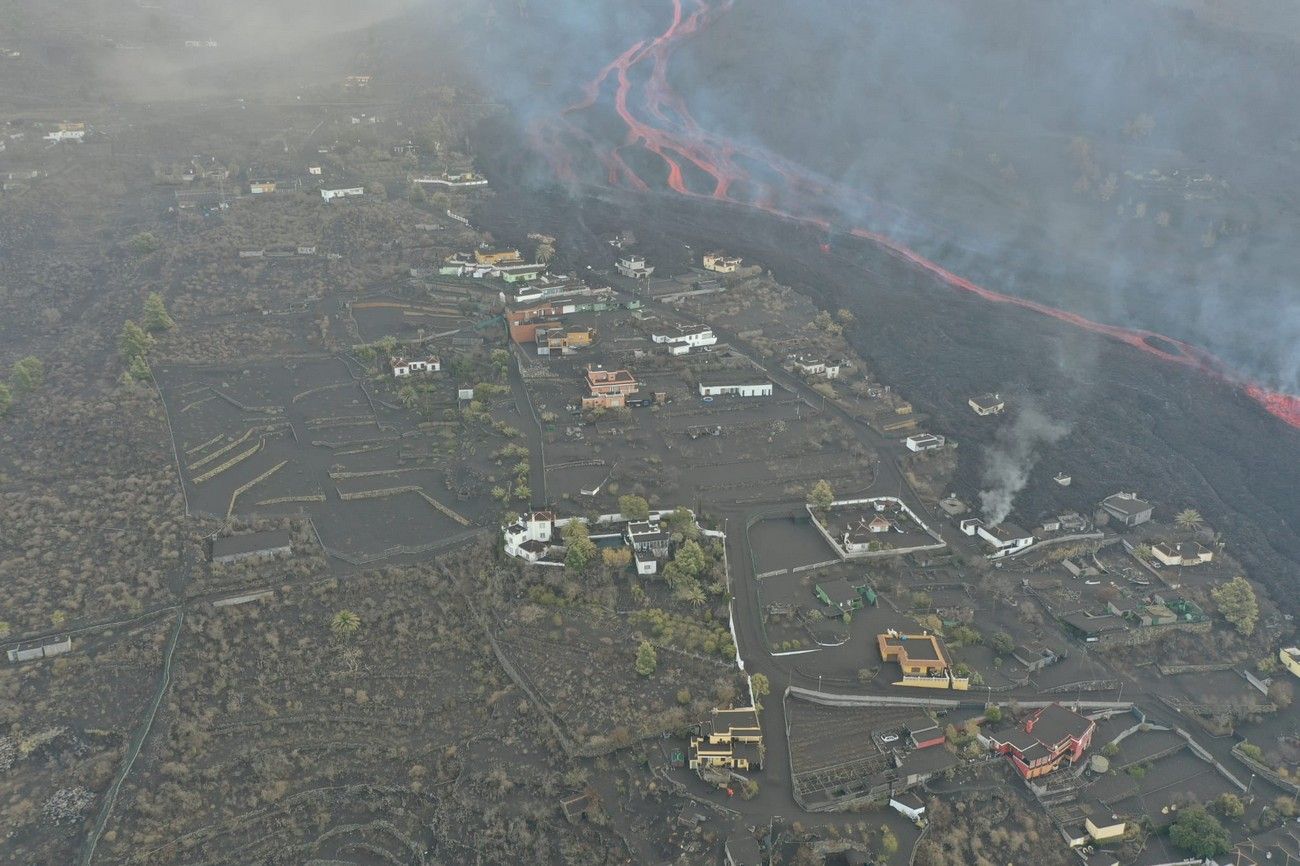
1216 699
795 619
822 737
581 665
1178 779
405 320
783 543
302 437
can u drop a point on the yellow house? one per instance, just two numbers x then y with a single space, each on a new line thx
739 724
1290 658
919 655
1104 832
496 257
732 740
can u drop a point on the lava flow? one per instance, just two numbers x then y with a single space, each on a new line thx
663 125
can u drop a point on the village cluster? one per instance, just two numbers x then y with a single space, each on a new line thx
701 494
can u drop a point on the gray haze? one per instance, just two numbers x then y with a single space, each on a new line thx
1012 457
1131 160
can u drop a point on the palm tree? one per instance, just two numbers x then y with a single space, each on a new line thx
345 624
692 593
1189 518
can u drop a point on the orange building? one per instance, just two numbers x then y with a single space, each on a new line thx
496 257
919 655
609 388
556 337
524 322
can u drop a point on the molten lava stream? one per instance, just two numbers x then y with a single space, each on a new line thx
791 192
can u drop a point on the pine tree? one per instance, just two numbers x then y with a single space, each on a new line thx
646 659
28 375
156 317
821 495
134 342
690 559
1237 602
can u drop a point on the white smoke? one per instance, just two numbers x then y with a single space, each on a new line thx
1010 460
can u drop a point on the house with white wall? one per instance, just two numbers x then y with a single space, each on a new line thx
681 339
344 192
403 367
924 442
737 386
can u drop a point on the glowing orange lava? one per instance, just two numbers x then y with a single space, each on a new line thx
673 135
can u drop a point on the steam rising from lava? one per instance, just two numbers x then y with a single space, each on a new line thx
657 120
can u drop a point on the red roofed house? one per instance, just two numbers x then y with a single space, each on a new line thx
1048 737
609 388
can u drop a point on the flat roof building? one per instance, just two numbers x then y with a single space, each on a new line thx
1127 508
919 655
253 545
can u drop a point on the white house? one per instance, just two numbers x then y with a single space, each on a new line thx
646 563
755 387
403 367
811 365
634 267
331 194
66 135
721 263
1005 538
1182 553
909 805
680 339
923 442
530 537
860 536
649 537
314 169
987 404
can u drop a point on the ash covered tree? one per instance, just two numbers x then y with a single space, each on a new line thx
821 495
134 342
888 841
1002 643
681 523
1237 602
6 398
1198 833
634 507
156 317
616 558
762 688
646 659
691 559
580 550
27 376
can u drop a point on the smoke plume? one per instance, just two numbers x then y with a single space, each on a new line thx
1009 461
